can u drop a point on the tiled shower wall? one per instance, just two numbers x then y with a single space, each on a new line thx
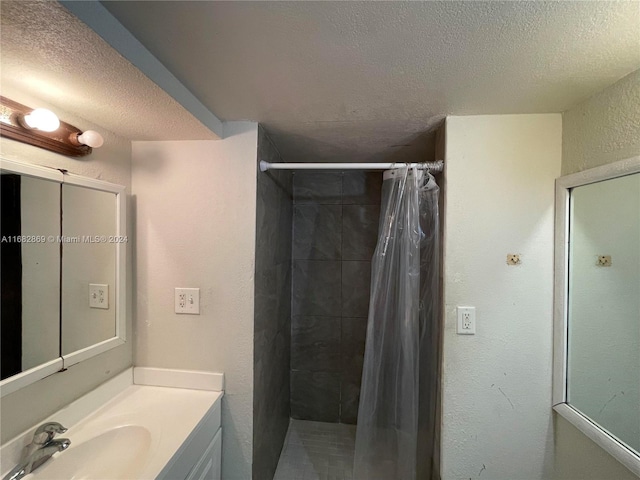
335 226
272 321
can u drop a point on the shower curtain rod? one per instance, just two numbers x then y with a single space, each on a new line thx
431 166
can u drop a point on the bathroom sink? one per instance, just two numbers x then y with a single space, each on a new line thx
118 453
123 431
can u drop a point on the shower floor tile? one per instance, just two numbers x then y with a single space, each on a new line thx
317 451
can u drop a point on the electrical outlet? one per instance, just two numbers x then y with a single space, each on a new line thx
604 261
466 320
187 300
98 295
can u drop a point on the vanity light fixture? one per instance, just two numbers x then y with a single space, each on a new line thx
90 138
40 119
42 128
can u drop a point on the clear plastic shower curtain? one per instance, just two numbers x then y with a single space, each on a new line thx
395 436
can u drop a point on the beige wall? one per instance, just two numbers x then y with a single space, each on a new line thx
195 227
604 128
578 458
500 172
112 162
601 130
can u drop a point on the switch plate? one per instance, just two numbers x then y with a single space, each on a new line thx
187 300
98 295
466 320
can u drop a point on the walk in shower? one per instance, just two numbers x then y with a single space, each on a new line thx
355 238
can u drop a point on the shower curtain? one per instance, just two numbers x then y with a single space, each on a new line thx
395 436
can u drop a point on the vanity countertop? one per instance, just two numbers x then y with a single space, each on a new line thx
134 434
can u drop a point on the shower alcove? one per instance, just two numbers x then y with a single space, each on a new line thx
316 233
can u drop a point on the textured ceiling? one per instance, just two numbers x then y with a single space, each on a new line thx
49 54
354 81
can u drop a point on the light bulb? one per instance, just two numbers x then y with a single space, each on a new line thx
91 138
42 119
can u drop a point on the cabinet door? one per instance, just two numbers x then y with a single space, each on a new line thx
208 467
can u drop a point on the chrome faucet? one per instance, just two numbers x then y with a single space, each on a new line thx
41 448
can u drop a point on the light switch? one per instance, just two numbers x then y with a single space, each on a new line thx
187 300
98 295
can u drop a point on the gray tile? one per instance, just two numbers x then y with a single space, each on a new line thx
271 373
266 148
359 231
350 395
267 207
271 417
317 187
315 396
273 248
283 301
268 152
284 223
317 232
361 188
356 279
279 183
272 298
322 450
273 222
266 297
316 288
272 327
315 344
352 342
269 436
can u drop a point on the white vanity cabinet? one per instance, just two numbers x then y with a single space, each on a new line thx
208 467
199 457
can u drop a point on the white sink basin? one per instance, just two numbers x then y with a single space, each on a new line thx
122 431
118 453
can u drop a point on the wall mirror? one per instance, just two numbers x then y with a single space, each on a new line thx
63 259
597 310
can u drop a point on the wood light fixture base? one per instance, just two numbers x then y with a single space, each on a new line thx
63 140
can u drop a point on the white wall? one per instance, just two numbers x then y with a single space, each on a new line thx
111 162
602 129
500 172
195 227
